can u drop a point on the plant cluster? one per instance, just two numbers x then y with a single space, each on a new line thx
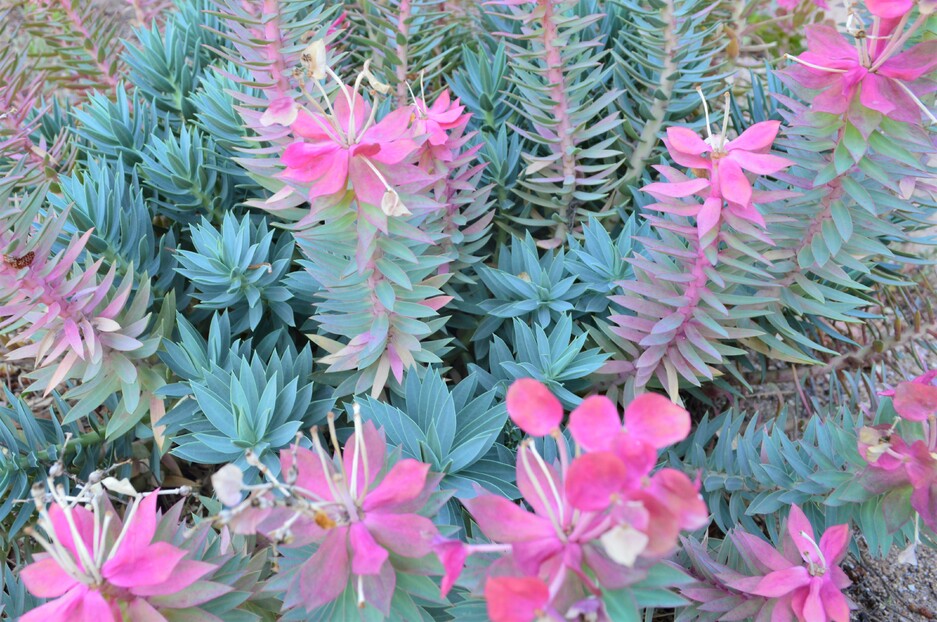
296 295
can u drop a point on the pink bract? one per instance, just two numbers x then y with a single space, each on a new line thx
805 580
129 570
350 149
885 82
726 163
357 517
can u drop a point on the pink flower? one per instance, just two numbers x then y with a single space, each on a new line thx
726 162
349 147
93 568
554 537
925 378
620 461
357 518
806 579
533 408
881 448
895 464
889 9
883 78
435 121
596 521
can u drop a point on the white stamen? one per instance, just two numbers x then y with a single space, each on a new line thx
354 458
805 554
725 121
541 494
811 65
361 601
356 410
709 131
326 471
917 101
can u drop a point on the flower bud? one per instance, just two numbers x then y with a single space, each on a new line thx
228 483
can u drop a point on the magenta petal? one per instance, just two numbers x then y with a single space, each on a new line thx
390 128
889 9
367 185
637 454
311 160
781 582
324 576
813 605
299 154
688 160
533 407
833 543
367 556
94 609
504 521
376 447
761 163
836 98
84 523
532 554
759 552
515 599
758 137
404 482
62 609
801 531
396 151
46 579
335 180
151 566
312 126
407 535
914 401
595 423
676 189
142 528
309 473
343 107
733 184
912 64
875 94
593 478
686 141
681 495
656 420
185 574
709 215
828 43
924 501
452 555
835 604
